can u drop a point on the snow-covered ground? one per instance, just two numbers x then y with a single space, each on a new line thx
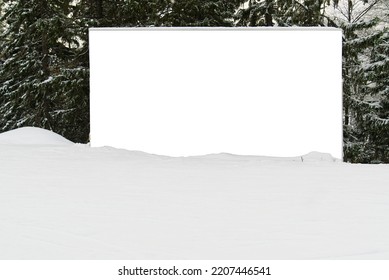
60 200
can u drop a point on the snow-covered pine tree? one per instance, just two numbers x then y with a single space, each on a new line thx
196 12
2 26
159 12
114 13
256 13
355 105
377 95
360 35
283 13
43 83
1 44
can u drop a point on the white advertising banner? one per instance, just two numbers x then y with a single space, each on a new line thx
196 91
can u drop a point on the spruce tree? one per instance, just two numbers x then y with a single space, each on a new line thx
127 13
360 35
357 102
377 113
118 13
43 82
196 12
283 13
2 27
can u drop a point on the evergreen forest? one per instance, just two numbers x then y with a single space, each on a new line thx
44 58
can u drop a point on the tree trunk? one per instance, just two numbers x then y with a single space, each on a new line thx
269 12
99 9
44 43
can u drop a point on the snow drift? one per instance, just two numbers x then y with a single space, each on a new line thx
32 136
77 202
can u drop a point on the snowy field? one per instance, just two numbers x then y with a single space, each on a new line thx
60 200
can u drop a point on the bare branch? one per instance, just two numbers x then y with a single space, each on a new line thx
365 11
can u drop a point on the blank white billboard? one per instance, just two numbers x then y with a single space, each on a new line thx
196 91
